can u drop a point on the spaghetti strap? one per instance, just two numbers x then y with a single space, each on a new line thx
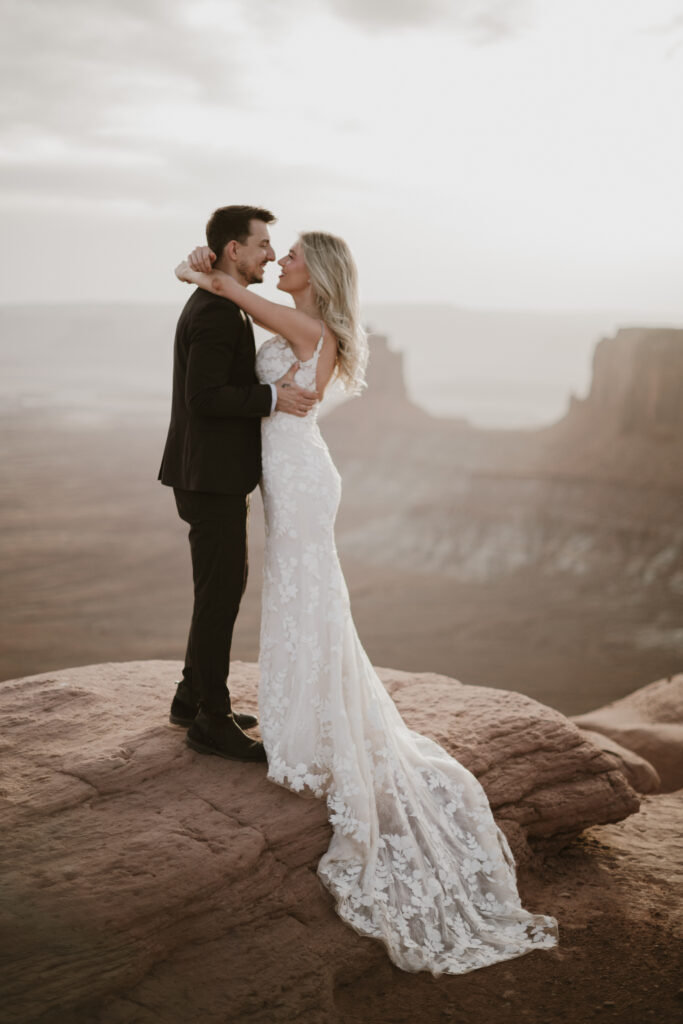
322 336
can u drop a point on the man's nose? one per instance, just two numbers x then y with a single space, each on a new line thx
271 254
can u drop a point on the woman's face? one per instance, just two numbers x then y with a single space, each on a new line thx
294 275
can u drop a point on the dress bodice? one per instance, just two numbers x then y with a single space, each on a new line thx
281 433
275 357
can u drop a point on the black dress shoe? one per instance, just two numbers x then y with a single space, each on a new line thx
244 720
185 714
182 713
222 736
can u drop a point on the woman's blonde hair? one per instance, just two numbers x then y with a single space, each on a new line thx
334 277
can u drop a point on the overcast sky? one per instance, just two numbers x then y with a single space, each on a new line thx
492 153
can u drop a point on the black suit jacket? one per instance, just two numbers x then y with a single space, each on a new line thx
214 438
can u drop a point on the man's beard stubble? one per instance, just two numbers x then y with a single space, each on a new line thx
250 275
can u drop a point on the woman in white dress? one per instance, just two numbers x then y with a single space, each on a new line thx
416 858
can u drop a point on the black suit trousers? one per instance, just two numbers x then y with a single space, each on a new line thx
218 545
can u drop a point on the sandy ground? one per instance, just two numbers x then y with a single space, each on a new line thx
617 892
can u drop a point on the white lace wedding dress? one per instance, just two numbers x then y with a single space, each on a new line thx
416 859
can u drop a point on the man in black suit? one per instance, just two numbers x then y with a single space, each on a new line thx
212 460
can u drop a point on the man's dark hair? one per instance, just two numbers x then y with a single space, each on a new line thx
231 223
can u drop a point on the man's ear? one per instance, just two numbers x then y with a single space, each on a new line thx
230 250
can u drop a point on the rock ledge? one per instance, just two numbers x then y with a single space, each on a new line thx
126 850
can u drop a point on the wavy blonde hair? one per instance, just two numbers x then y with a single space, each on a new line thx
334 277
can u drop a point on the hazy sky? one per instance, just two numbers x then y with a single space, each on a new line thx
496 153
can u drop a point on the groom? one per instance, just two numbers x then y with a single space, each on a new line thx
212 460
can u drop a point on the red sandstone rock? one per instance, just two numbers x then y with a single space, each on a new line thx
641 775
649 722
126 852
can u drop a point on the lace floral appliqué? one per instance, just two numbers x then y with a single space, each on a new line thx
416 858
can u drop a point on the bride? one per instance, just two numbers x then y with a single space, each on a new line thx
416 858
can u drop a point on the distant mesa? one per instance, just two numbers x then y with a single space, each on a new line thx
637 384
629 428
598 494
385 399
385 373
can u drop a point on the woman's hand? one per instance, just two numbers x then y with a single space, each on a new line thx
183 272
202 259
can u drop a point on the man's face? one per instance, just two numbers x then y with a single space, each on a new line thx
253 256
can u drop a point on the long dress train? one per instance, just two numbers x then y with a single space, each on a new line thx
416 858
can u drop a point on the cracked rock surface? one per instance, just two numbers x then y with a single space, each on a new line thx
144 882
